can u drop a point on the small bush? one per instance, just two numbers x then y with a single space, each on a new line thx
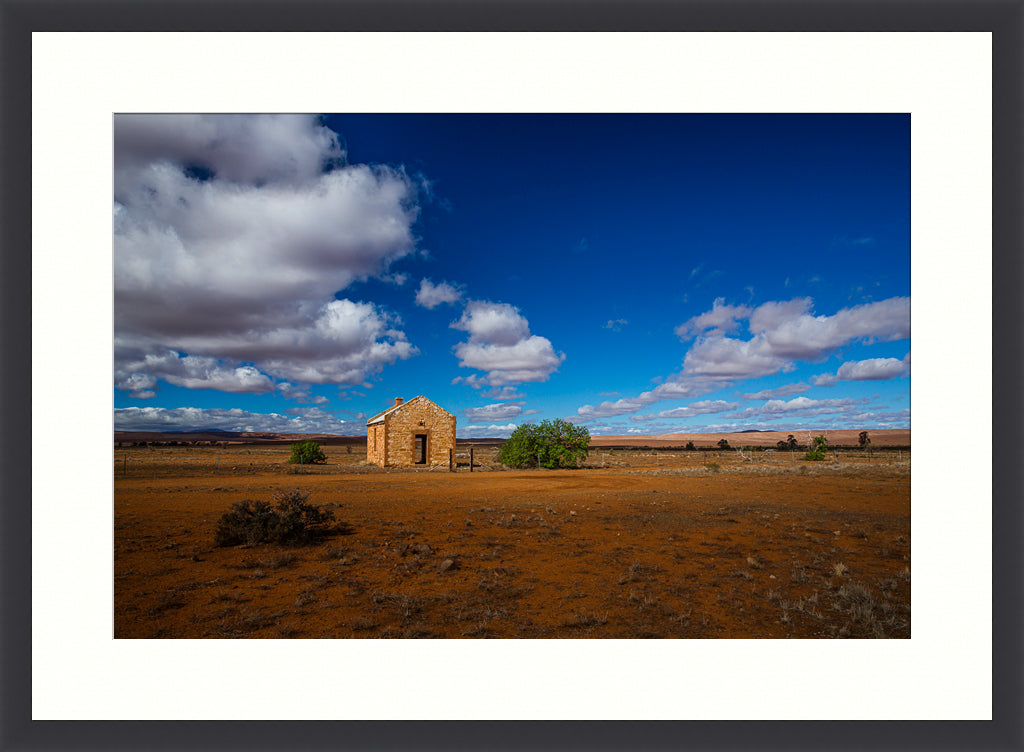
818 448
307 453
292 520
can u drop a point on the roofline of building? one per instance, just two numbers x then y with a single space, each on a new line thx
379 417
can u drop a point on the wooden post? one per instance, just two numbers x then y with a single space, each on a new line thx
471 459
126 463
451 460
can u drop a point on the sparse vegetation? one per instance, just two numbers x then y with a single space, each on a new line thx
649 547
819 445
292 521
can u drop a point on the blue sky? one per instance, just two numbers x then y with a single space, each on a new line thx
631 273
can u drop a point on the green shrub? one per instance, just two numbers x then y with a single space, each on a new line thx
690 447
819 446
292 521
307 453
724 444
550 443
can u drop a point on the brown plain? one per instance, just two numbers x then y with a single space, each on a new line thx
658 543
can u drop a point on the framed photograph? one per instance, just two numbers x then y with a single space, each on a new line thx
346 285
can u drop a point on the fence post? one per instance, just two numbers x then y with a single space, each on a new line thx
471 459
125 464
451 460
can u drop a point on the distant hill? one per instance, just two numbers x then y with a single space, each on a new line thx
879 438
232 437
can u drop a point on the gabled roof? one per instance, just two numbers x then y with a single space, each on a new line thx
380 417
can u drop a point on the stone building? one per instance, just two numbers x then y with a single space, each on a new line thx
416 432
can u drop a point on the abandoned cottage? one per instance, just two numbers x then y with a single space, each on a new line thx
417 432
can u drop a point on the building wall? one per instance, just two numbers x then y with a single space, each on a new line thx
418 416
375 444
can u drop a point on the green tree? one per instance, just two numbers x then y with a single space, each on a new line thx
307 453
724 444
690 447
550 443
863 440
791 444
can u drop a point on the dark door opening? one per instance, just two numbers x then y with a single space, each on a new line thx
420 451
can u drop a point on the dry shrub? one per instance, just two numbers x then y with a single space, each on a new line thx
292 521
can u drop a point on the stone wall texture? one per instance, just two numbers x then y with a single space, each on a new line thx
375 444
393 442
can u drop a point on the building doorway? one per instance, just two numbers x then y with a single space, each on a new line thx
419 454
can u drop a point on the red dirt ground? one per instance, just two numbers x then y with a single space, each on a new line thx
656 544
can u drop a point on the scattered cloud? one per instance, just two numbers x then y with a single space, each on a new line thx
192 372
299 394
800 406
787 331
299 420
673 389
872 369
781 333
431 296
497 411
704 407
502 393
720 319
500 344
232 236
615 324
489 432
780 391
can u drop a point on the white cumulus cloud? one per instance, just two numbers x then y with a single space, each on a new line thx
501 345
721 318
232 236
787 331
872 369
431 296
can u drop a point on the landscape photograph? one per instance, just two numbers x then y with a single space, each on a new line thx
511 376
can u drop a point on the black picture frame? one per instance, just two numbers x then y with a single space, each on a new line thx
1003 18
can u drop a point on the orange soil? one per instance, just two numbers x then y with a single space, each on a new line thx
650 545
